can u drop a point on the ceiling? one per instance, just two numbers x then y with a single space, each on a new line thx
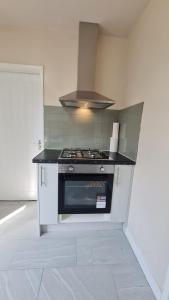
116 17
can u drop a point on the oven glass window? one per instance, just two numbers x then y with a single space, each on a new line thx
84 193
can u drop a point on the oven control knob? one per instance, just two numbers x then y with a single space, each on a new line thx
70 169
102 169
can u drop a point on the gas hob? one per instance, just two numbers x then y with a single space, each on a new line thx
82 154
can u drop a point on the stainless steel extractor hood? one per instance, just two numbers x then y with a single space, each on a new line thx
85 95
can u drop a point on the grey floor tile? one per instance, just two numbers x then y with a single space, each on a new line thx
125 267
128 275
7 207
107 265
7 251
79 283
144 293
20 285
45 253
23 225
104 250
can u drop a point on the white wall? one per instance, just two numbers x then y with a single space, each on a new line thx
148 81
57 51
111 68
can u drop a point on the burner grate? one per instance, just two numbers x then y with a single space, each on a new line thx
81 153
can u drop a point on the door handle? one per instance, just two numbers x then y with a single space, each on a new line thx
42 175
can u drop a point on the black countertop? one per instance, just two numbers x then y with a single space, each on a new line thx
52 157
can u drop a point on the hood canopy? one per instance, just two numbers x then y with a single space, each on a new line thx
85 99
85 96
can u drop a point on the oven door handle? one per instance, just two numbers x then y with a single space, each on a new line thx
117 176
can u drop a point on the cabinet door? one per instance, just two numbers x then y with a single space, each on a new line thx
121 193
48 193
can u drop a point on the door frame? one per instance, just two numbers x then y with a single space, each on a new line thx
28 69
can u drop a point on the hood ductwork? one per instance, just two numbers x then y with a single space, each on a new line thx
85 96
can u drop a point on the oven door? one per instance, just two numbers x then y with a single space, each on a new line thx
85 193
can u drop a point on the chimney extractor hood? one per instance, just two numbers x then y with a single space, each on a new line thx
85 96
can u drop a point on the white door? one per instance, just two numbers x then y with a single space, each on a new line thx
21 129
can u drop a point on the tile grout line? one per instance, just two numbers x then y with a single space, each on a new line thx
76 252
115 285
40 284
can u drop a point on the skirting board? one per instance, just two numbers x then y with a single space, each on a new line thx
154 286
165 295
80 227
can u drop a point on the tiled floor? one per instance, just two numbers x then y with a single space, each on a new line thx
88 265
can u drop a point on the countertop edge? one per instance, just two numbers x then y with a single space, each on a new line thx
51 156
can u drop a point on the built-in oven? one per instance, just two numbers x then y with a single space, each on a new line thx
84 189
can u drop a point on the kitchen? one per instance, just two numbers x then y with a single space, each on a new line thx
83 163
84 102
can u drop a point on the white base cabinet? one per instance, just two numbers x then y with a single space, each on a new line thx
48 196
48 193
121 193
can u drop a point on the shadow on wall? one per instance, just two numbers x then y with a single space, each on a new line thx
83 128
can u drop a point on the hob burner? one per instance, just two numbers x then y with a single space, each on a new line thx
81 154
